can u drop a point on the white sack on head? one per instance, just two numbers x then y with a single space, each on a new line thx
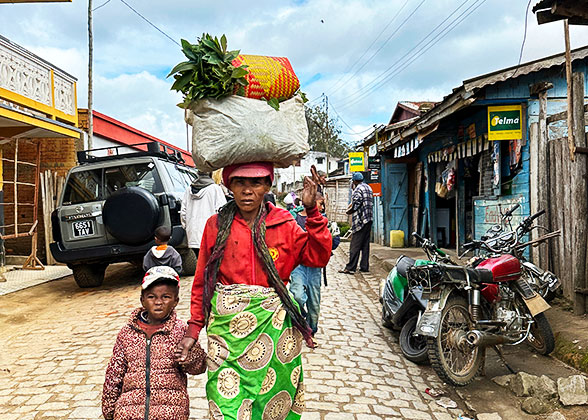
238 130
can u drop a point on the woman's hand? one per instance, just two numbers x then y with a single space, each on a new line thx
310 188
182 349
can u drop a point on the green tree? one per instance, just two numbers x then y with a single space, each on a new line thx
324 133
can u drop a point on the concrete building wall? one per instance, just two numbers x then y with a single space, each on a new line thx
286 177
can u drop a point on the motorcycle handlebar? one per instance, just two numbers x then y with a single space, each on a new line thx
523 228
511 211
536 215
472 245
418 237
526 224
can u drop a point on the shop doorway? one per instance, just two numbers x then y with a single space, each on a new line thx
445 204
446 221
470 173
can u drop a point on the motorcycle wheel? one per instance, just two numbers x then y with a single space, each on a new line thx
541 337
453 359
413 347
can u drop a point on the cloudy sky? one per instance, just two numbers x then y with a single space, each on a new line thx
365 55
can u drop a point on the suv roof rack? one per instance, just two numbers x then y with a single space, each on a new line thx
154 148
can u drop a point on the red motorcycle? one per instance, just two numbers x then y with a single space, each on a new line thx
472 308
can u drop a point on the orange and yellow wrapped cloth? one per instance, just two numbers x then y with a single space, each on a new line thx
269 77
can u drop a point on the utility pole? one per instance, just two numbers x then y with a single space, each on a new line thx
90 59
327 132
571 142
187 138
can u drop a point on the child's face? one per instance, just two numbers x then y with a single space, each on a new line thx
159 301
320 203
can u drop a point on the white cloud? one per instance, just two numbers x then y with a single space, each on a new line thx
145 102
132 59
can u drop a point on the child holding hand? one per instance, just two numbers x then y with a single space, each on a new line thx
142 379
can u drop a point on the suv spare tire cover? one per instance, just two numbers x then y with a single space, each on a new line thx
131 215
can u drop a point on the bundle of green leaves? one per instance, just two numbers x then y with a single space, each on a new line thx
209 72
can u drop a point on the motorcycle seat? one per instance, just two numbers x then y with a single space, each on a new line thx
403 263
476 275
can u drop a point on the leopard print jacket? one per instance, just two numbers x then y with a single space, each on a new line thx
143 382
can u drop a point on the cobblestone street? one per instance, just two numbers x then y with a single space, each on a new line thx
58 339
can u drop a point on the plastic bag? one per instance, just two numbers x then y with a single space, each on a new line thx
238 130
441 189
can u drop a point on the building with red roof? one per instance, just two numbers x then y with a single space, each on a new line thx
110 133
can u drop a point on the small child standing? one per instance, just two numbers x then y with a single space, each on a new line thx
305 282
142 379
162 253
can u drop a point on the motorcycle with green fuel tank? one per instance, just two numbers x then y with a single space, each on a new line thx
402 305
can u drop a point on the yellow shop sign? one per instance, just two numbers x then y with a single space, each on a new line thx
504 122
356 162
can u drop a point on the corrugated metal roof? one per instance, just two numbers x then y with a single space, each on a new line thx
531 67
463 96
543 4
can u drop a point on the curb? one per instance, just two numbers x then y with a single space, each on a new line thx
385 264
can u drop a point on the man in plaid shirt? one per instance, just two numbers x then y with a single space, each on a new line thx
362 208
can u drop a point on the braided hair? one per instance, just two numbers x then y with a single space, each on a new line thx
225 219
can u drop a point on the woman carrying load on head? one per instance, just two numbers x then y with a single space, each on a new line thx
255 329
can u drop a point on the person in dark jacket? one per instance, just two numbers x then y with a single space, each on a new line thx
162 253
142 379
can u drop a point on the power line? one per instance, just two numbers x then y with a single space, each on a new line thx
361 133
149 22
384 44
524 39
353 132
348 126
359 96
314 100
102 5
344 75
399 62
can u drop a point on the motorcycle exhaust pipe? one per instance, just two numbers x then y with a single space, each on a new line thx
481 339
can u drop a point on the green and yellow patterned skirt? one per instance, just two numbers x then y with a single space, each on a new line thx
254 356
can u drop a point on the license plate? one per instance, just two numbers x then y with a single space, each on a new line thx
83 228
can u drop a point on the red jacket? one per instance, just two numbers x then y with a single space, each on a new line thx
142 374
289 247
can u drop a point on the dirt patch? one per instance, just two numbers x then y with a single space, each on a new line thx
569 353
571 335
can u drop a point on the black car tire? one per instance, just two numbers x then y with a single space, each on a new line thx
89 275
189 261
131 215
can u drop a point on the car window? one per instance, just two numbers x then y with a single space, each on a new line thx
188 175
142 175
83 187
178 177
